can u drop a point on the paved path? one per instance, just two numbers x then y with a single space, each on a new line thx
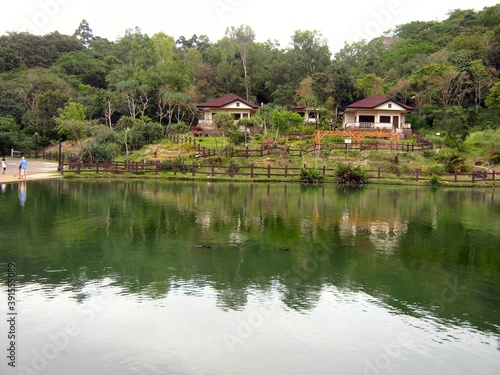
37 170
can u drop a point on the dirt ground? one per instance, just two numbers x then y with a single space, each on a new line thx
36 170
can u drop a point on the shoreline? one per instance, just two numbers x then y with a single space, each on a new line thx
375 182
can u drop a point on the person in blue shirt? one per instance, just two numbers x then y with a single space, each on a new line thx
22 168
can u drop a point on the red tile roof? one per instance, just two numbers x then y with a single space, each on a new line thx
375 101
225 100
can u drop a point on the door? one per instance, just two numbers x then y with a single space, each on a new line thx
395 122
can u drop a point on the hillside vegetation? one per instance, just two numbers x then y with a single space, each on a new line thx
114 97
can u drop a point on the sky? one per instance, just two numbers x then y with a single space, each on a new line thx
338 22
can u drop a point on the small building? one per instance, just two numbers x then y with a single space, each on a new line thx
237 106
311 115
379 113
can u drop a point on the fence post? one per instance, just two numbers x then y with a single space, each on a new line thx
473 177
416 175
269 171
286 171
493 175
251 170
194 169
324 170
213 170
413 147
456 176
79 166
97 167
378 172
376 145
246 152
157 167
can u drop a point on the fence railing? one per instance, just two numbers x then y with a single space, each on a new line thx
259 171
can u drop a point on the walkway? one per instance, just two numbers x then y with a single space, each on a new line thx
37 170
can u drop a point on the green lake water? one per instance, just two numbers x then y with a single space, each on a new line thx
201 278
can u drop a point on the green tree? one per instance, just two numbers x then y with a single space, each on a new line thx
84 33
72 123
283 121
453 121
225 123
243 38
493 99
9 60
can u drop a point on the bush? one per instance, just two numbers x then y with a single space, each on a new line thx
179 128
99 151
144 134
258 137
435 169
428 154
348 175
237 138
453 162
311 176
183 165
434 180
495 158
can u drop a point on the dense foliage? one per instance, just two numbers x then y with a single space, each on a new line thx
449 71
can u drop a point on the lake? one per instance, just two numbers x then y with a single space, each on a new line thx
200 278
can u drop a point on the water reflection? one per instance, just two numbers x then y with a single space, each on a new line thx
187 278
21 191
404 246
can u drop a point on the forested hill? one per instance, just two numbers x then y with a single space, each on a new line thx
438 67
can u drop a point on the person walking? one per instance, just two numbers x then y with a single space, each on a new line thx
4 165
22 168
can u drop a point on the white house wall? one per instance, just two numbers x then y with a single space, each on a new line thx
237 106
351 117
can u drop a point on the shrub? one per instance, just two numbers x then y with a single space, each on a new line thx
179 128
311 176
99 151
183 165
453 162
237 138
434 180
144 134
348 175
495 158
435 169
258 137
426 153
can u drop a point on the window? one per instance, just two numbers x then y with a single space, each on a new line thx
366 118
389 105
366 121
237 104
245 115
236 116
385 119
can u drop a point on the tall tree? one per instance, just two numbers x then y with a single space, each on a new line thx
84 34
243 38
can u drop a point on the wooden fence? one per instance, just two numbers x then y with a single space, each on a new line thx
267 149
253 171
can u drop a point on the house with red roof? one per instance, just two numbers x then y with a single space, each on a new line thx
233 104
378 112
